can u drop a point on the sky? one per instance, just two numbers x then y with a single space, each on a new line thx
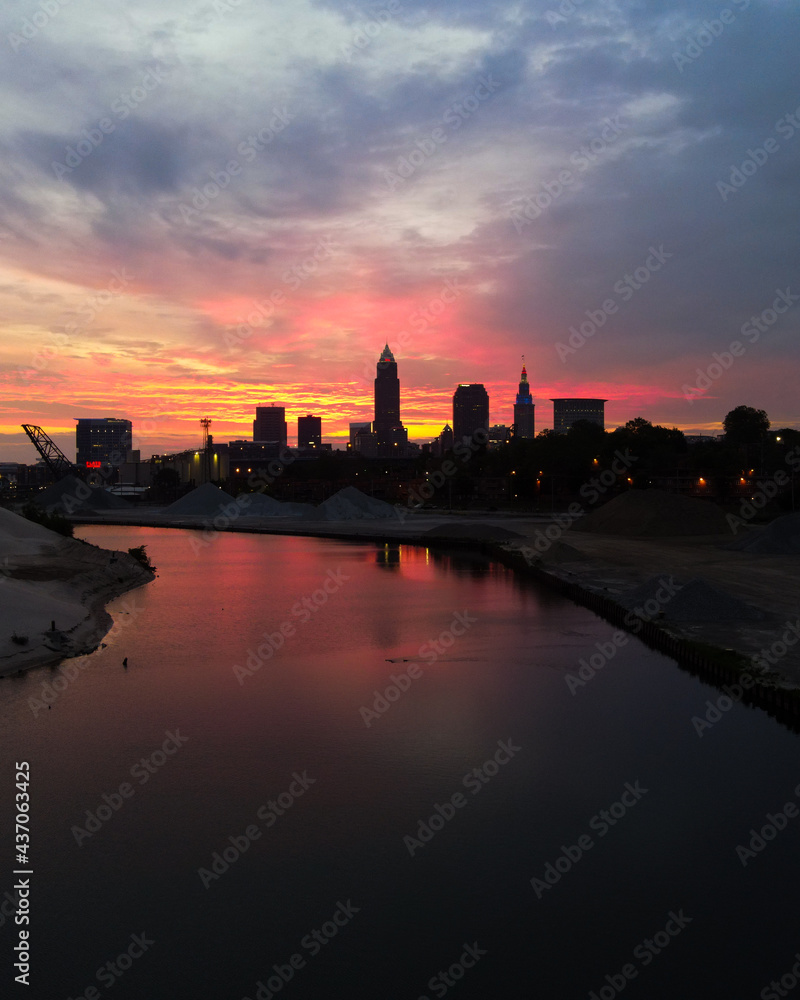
210 206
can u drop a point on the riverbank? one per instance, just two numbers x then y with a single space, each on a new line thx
714 610
53 593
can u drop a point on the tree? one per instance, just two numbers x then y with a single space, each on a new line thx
745 425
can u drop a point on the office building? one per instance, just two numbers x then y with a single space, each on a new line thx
309 432
102 442
391 436
357 428
524 408
270 424
566 412
471 413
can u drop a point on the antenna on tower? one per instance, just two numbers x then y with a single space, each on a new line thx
206 423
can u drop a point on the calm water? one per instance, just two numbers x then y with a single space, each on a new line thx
331 856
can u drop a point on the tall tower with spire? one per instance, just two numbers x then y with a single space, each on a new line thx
524 408
390 434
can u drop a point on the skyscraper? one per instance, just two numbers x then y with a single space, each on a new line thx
102 441
567 411
390 434
270 424
470 412
524 408
309 432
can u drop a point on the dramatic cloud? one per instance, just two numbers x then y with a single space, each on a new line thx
208 206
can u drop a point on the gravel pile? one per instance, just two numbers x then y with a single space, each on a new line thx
70 494
259 505
694 601
351 504
656 514
781 537
205 501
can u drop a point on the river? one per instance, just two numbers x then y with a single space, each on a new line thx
345 769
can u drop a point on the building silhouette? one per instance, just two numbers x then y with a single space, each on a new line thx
524 408
566 412
470 411
309 432
102 441
390 435
270 424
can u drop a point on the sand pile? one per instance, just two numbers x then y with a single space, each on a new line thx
303 511
71 494
654 513
259 505
694 601
781 537
204 501
473 531
350 504
18 536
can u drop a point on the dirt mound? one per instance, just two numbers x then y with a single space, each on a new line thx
473 531
70 494
654 513
781 537
694 601
207 500
350 504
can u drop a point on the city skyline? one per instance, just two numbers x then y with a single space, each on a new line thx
597 189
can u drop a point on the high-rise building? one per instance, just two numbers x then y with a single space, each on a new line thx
470 412
102 441
309 432
390 434
356 428
566 412
524 408
270 424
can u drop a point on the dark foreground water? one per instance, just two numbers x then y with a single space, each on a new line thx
289 828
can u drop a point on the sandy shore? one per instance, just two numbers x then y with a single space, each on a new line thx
47 580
